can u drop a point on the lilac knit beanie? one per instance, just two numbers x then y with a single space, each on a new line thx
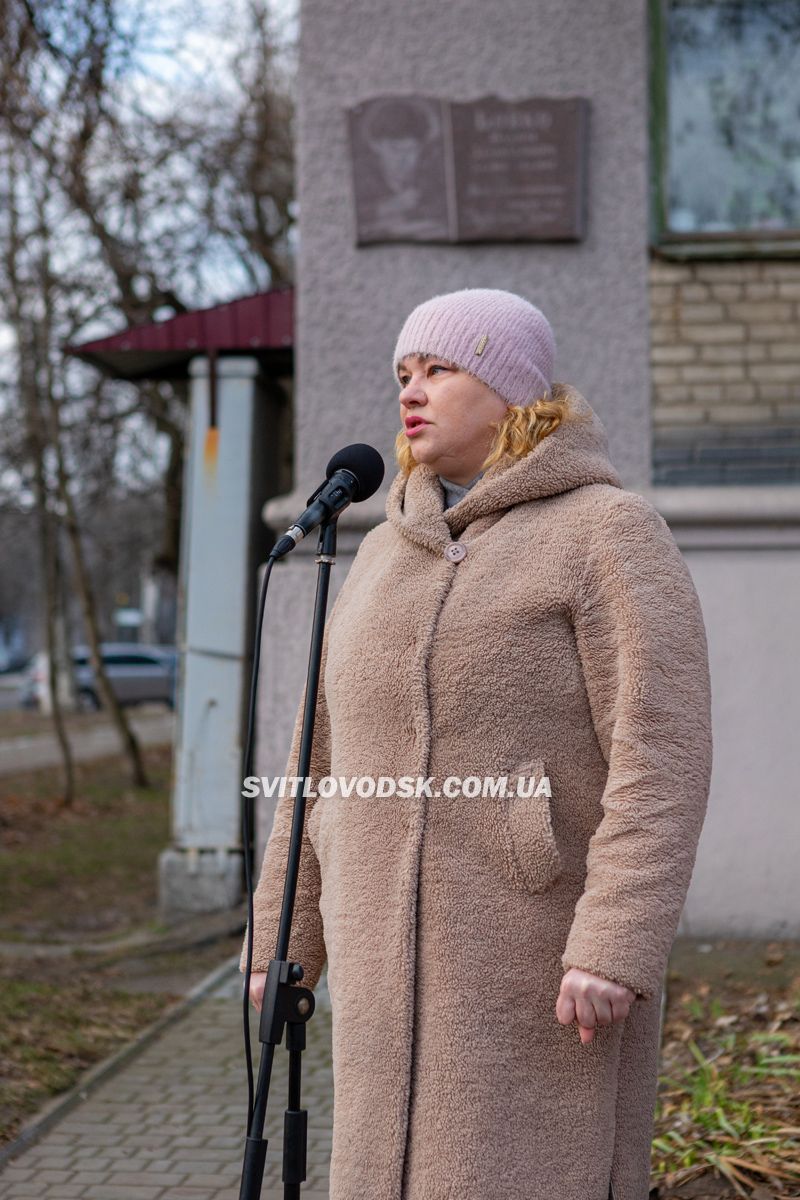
495 335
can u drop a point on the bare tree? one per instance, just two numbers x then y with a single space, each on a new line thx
37 445
134 210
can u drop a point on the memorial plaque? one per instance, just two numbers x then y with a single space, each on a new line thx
398 161
432 170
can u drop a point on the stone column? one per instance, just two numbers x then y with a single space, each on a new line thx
352 301
221 543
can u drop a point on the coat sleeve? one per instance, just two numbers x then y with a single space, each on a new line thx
306 941
642 644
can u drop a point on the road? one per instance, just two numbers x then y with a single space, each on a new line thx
29 752
10 688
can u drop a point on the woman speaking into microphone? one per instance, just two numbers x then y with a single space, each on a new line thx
496 959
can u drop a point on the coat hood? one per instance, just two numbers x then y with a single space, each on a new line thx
574 455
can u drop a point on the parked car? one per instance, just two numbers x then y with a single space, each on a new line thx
138 674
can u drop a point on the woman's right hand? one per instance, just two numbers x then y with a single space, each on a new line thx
257 981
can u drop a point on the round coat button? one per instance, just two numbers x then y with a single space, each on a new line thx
455 551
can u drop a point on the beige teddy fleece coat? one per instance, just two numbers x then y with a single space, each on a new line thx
567 641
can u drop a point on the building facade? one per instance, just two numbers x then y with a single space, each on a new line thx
676 315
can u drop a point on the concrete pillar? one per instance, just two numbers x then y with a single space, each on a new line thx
222 542
351 301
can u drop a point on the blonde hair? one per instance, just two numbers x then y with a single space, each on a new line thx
516 433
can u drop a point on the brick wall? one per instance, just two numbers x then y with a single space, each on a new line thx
725 370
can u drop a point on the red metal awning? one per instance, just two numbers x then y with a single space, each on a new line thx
261 325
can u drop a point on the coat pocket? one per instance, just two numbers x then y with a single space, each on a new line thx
526 829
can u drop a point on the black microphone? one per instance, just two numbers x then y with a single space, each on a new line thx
354 473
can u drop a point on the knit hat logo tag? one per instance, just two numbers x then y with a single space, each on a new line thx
481 346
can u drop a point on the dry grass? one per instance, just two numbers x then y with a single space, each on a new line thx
65 875
729 1095
54 1024
89 869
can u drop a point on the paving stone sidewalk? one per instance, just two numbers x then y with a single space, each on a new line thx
171 1121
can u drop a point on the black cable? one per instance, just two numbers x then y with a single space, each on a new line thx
247 826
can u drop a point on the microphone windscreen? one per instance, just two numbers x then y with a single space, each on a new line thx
364 462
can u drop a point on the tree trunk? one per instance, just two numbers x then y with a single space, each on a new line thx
47 521
55 648
130 742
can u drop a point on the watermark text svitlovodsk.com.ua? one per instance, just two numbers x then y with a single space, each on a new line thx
382 786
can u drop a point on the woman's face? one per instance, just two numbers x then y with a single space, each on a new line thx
447 415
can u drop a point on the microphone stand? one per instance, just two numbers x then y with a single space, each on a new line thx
283 1003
